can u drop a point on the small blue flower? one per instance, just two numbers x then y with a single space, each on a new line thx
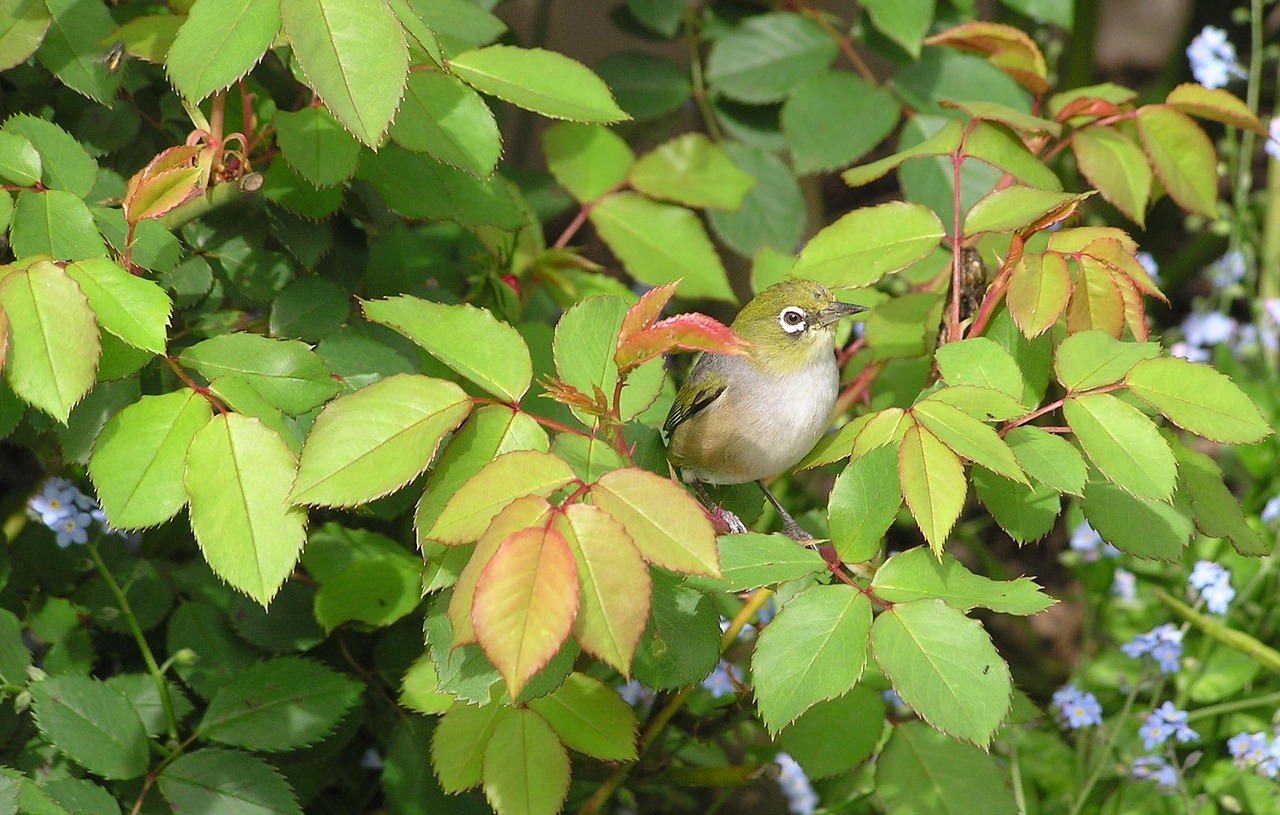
766 613
721 681
1155 768
1075 708
1271 511
1207 328
1148 262
1163 643
1271 306
1214 584
73 528
801 799
1213 58
1228 269
635 694
1272 145
1189 352
1163 722
56 499
1086 541
1124 585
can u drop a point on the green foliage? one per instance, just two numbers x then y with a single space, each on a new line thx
285 265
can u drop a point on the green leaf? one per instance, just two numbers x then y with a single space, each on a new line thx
979 361
288 374
987 404
1214 104
587 160
771 215
372 442
692 170
219 42
445 118
133 308
944 666
73 48
1182 156
310 309
996 145
1123 444
1144 528
1097 301
316 146
836 735
75 795
463 20
55 223
1026 512
374 592
1112 163
1199 399
590 717
525 603
921 770
27 21
766 56
646 85
969 438
66 164
280 704
419 690
217 780
933 483
863 505
668 526
867 244
92 724
589 456
944 141
541 81
1048 458
239 396
903 21
526 768
615 585
815 649
1090 359
19 160
682 643
1217 510
661 243
1011 208
754 559
1009 49
15 659
509 476
53 341
917 574
419 186
468 339
353 53
1039 289
238 476
138 458
457 747
586 338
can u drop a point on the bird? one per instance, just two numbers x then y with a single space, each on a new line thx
742 418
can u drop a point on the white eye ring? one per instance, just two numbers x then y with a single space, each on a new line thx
792 320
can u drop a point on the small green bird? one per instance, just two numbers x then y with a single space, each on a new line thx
745 418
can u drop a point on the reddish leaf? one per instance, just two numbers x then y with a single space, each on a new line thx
1038 291
1005 47
1116 167
1086 106
567 394
1135 316
644 313
1214 104
525 603
1120 257
169 179
4 337
685 332
1096 301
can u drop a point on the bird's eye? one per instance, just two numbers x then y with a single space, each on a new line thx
792 319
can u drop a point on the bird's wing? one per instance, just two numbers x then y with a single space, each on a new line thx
704 393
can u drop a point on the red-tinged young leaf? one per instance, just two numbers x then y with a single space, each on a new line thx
372 442
1096 301
508 477
457 747
1116 167
1182 156
523 513
1197 398
157 194
1135 315
683 332
615 590
815 649
1038 292
590 717
138 458
1119 255
1104 92
944 666
1124 445
933 483
1215 104
53 341
646 310
526 768
1017 206
238 475
1005 47
525 603
669 528
1086 107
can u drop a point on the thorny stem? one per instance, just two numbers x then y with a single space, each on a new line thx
1052 406
581 217
845 43
153 667
172 362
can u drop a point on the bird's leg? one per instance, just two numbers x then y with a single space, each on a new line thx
789 526
735 524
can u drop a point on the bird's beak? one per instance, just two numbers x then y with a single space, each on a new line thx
837 311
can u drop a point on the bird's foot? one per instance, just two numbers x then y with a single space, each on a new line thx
792 530
733 522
